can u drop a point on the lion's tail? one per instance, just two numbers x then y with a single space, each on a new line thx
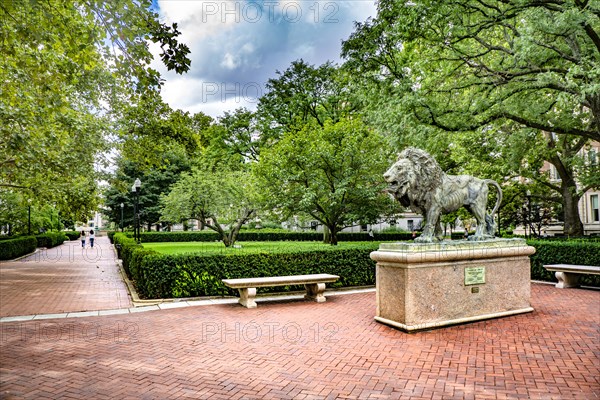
499 199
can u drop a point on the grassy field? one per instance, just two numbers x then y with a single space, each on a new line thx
251 247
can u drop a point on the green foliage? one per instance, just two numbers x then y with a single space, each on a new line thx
128 251
332 173
199 274
495 86
214 198
13 248
268 235
68 69
51 239
462 65
111 235
301 94
577 252
193 275
244 248
72 235
156 181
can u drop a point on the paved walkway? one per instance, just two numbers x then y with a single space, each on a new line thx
303 350
63 279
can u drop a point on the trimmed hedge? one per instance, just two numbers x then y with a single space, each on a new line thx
189 275
50 239
269 236
13 248
72 235
578 252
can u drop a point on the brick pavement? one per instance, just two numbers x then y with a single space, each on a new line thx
303 350
65 278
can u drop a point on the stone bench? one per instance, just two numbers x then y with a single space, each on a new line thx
568 275
314 284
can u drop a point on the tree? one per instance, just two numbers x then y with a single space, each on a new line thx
156 181
67 71
520 67
222 201
152 128
241 134
303 93
332 173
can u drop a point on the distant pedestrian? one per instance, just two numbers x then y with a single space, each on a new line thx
82 238
371 235
92 238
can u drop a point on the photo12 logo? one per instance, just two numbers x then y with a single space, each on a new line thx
116 333
248 92
270 11
268 332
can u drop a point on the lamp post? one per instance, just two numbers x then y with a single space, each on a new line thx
528 194
136 190
122 205
29 217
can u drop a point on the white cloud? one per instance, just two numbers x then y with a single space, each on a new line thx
236 46
229 61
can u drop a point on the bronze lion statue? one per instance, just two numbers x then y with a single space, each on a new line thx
417 181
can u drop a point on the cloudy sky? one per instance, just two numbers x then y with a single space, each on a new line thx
236 46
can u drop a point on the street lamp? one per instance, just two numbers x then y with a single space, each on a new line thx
528 194
29 217
122 205
136 190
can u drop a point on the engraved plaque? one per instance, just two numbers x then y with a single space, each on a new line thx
474 275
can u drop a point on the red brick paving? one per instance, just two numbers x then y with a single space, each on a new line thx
65 278
303 350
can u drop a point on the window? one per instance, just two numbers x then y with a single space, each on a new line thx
595 208
363 227
593 157
411 225
554 173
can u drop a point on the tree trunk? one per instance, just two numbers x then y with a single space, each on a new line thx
333 236
570 198
573 225
326 234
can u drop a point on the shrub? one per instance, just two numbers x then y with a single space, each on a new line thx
189 275
50 239
578 252
111 235
13 248
270 235
72 235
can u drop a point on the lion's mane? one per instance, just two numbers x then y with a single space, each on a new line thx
427 170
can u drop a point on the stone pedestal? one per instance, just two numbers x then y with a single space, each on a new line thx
423 286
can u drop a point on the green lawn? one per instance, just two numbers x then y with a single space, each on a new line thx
251 247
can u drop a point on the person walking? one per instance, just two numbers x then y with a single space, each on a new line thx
82 239
92 238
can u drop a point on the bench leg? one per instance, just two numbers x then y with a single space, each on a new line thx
247 296
566 280
314 291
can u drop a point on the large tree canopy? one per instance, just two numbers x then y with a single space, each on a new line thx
222 201
68 68
332 173
523 74
468 63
